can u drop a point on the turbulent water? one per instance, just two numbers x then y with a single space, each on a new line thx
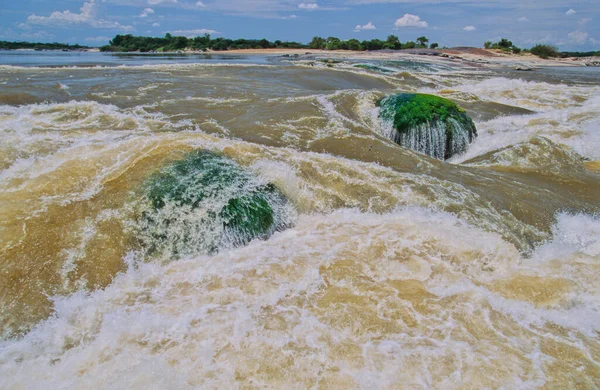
396 270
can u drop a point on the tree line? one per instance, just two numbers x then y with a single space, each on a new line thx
5 45
168 43
128 43
391 43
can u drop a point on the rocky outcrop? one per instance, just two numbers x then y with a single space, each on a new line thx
207 202
427 124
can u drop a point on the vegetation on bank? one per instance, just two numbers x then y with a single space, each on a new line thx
391 43
129 43
5 45
170 43
545 51
540 50
566 54
504 45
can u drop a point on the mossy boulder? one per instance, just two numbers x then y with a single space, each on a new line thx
206 202
427 124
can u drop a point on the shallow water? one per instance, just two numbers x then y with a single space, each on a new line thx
399 270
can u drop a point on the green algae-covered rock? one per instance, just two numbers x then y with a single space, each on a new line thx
207 202
427 124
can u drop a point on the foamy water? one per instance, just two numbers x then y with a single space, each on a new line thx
395 271
566 114
346 299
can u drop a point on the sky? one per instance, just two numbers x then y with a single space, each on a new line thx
571 25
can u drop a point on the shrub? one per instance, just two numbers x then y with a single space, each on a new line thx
545 51
505 43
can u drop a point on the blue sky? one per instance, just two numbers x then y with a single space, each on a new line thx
572 25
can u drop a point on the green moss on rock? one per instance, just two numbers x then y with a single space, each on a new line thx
428 124
206 202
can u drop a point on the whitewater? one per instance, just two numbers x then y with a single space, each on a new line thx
388 268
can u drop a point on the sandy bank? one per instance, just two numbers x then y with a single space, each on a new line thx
468 55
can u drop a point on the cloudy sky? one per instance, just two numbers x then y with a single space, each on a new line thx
572 25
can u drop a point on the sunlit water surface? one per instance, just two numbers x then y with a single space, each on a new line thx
398 270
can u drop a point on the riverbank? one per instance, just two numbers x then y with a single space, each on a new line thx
483 57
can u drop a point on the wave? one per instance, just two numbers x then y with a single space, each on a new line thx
348 298
567 115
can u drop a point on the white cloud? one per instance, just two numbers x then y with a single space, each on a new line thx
584 21
368 26
470 28
268 9
571 12
146 12
194 32
409 20
523 19
10 34
308 6
98 39
87 15
155 2
578 37
156 24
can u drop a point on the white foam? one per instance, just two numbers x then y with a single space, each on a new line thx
575 237
205 321
562 119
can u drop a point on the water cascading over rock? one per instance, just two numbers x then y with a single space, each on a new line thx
205 203
427 124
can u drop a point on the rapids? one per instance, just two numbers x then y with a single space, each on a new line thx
394 269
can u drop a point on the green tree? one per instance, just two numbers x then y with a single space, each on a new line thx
422 41
179 43
505 43
410 45
317 43
487 44
374 44
354 44
545 51
392 42
333 43
434 46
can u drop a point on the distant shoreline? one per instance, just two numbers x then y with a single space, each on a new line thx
84 50
467 55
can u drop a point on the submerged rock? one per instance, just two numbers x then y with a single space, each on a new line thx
427 124
207 202
373 68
